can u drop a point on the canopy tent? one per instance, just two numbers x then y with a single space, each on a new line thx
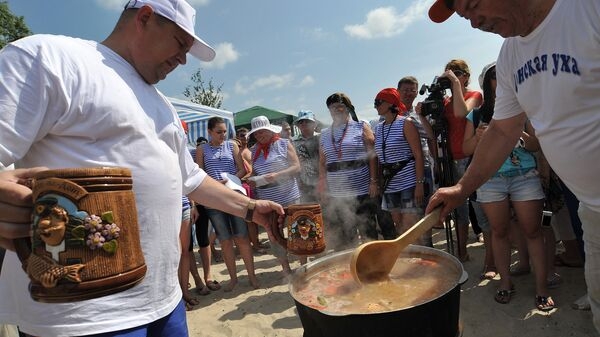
243 118
196 116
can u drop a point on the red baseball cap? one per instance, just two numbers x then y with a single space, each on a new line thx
440 10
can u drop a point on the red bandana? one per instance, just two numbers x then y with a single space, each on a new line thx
265 147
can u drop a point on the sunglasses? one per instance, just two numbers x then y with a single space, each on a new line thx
378 102
459 72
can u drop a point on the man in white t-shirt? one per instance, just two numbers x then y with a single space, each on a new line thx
68 102
547 71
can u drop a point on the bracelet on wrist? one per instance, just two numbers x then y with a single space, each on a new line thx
420 181
250 210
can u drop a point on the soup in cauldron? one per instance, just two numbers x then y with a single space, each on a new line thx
415 279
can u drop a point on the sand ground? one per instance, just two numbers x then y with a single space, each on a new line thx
270 310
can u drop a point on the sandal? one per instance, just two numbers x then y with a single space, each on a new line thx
202 291
213 285
488 273
544 303
190 303
504 296
553 281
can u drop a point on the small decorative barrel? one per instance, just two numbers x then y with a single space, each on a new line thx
85 242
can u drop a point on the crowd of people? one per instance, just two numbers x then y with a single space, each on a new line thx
513 158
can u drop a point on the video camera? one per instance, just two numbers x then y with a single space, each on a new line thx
434 103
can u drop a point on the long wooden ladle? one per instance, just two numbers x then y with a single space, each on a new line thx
373 261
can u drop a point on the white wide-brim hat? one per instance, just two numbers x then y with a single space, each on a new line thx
262 123
184 16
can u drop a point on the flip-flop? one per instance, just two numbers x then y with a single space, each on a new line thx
504 296
202 291
213 285
544 303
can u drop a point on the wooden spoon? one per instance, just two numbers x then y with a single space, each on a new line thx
373 261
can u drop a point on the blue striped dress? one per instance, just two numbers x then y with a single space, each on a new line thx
219 159
396 149
284 192
347 182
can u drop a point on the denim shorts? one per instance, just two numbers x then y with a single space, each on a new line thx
518 188
226 225
403 202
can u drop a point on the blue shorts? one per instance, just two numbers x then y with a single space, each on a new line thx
172 325
518 188
403 202
226 225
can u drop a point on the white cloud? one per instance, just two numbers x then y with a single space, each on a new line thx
384 22
226 53
306 81
245 85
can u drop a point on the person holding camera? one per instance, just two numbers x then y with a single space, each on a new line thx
456 108
398 148
516 184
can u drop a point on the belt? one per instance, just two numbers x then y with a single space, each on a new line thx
513 173
346 165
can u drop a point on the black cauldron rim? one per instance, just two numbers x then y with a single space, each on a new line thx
299 273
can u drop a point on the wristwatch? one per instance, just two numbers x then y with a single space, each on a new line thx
250 212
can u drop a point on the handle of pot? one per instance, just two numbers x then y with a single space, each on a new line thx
23 249
276 230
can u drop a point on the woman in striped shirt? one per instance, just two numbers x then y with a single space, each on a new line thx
347 176
274 160
400 155
217 157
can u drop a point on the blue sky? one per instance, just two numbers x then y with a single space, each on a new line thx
291 55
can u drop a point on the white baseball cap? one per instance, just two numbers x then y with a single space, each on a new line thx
184 16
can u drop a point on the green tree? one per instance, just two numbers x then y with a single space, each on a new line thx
204 93
11 27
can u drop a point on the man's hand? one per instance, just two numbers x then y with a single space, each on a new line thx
266 211
449 197
16 204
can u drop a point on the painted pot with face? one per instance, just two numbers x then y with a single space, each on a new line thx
85 241
305 231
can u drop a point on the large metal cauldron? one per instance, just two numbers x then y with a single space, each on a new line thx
436 318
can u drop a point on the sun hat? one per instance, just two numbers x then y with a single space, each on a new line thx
484 71
184 16
440 11
262 123
305 115
392 96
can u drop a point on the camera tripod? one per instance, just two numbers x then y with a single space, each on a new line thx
445 173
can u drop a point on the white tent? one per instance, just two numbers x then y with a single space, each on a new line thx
196 116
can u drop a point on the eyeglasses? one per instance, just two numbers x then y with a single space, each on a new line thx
459 72
378 102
